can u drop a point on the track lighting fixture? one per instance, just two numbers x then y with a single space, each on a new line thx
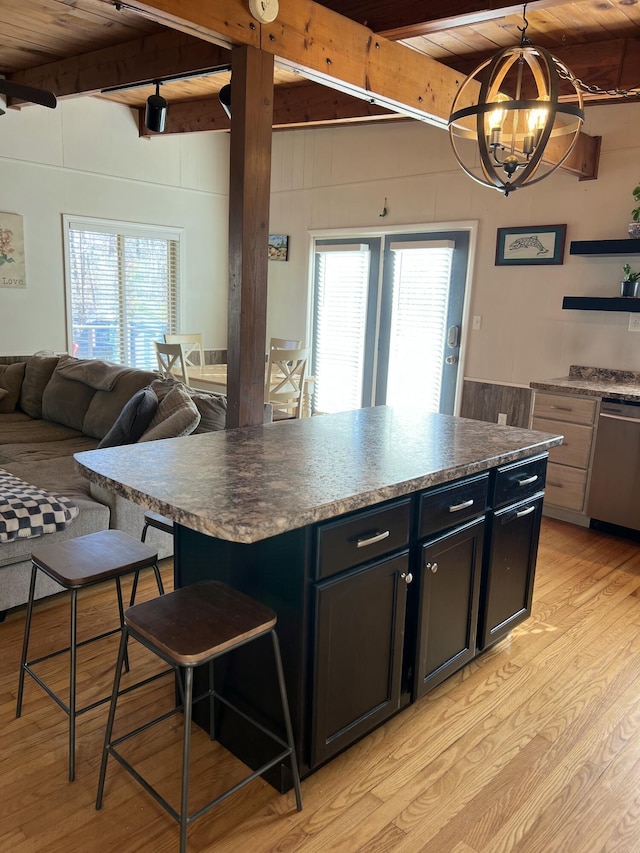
155 113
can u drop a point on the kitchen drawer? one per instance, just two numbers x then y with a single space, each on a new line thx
560 407
362 537
566 486
576 448
450 505
519 480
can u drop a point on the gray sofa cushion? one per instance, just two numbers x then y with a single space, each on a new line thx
107 405
11 376
46 450
98 374
213 412
176 415
32 432
37 373
132 420
65 401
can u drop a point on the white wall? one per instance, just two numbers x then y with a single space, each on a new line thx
339 178
86 158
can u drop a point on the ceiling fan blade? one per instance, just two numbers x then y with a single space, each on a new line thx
27 93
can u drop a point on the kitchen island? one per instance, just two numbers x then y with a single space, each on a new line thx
395 546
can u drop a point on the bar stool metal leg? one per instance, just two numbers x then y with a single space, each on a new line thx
287 719
25 641
72 684
186 748
112 715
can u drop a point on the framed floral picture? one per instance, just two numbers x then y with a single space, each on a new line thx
532 244
12 268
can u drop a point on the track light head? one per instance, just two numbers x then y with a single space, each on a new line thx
225 99
155 113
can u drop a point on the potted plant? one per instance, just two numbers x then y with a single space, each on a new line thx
634 227
629 284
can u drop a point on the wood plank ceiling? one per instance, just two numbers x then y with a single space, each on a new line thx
85 46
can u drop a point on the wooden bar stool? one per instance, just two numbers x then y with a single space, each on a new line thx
76 564
187 628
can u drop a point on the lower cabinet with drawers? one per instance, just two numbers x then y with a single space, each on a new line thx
375 607
569 463
452 573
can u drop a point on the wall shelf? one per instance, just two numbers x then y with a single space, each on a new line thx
601 303
604 248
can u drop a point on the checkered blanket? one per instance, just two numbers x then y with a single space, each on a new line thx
27 511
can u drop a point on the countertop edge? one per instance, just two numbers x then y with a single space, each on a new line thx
246 534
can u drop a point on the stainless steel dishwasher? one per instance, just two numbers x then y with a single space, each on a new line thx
614 495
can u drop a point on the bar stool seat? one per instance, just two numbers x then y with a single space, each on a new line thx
160 522
76 564
189 627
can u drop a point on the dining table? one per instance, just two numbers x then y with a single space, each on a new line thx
213 377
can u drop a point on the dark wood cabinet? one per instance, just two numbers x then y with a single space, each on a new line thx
359 631
450 567
509 569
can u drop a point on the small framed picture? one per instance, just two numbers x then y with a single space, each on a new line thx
278 247
533 244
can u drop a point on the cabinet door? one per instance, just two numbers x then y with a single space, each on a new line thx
360 620
448 607
509 569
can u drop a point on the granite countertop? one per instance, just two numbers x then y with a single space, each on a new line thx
595 382
247 484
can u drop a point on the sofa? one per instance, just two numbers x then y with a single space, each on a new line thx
54 406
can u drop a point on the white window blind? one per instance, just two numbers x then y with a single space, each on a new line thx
122 289
421 280
342 284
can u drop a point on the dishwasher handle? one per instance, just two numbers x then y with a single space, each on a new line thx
619 418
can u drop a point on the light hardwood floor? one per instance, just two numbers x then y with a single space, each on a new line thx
533 747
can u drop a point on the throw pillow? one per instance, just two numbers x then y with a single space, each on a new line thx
11 376
37 374
27 511
133 420
213 412
176 415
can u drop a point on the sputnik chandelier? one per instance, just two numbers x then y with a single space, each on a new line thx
510 107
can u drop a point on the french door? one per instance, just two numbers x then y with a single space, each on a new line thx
387 320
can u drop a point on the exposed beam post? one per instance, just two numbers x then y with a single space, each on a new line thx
249 192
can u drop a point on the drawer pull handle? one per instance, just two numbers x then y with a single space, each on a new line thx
463 505
528 480
363 541
433 567
526 511
562 408
407 577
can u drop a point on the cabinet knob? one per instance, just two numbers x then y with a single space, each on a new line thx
433 567
408 577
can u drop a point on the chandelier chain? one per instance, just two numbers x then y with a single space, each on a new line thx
566 74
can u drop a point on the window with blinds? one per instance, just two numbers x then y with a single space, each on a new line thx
122 289
421 284
341 297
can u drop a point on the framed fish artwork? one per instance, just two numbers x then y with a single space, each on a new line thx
531 244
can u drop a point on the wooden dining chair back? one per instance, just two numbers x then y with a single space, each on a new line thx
284 386
172 361
284 343
193 347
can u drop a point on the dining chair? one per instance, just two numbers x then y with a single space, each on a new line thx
172 361
284 385
192 347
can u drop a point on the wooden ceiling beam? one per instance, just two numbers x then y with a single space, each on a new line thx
149 58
